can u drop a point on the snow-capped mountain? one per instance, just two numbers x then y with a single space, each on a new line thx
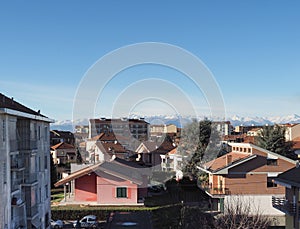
246 121
68 125
180 121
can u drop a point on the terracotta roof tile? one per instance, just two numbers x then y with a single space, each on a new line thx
62 145
221 162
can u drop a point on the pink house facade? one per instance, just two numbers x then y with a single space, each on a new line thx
117 182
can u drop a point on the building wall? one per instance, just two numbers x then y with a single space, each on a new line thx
25 172
251 184
171 128
62 156
106 189
4 174
85 188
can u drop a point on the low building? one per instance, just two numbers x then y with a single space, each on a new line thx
290 203
25 166
63 153
115 182
58 136
247 170
171 161
150 152
106 145
292 131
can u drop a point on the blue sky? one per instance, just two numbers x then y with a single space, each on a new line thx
251 47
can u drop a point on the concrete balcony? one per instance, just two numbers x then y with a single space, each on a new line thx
22 144
32 211
17 164
30 179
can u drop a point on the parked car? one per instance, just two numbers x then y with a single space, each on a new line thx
56 224
89 221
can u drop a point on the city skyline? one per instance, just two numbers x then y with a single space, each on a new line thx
251 48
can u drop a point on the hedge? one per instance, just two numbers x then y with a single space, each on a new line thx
73 212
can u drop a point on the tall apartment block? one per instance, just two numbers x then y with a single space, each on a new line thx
138 128
24 167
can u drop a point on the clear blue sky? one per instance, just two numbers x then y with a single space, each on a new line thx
251 47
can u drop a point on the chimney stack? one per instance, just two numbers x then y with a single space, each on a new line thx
228 159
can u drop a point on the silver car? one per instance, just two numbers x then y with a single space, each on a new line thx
56 224
89 221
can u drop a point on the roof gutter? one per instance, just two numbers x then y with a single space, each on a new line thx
25 115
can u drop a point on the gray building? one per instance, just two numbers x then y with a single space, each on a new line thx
24 166
137 128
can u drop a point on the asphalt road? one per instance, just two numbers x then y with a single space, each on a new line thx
140 219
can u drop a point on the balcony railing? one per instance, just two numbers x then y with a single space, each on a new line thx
285 205
214 190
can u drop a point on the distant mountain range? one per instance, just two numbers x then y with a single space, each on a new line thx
180 121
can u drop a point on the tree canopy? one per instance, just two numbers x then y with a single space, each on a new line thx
200 142
272 138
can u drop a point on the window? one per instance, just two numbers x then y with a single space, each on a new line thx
121 192
46 191
46 133
270 182
272 161
4 173
39 133
3 130
46 162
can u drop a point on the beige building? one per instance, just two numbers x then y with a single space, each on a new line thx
163 129
292 131
25 167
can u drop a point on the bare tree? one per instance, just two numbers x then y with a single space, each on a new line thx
241 213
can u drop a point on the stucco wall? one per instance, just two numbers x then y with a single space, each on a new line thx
106 191
85 188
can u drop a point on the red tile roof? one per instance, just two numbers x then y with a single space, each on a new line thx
222 162
62 145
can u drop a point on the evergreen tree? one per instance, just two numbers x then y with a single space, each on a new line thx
199 143
272 138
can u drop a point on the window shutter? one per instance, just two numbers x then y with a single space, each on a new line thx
128 193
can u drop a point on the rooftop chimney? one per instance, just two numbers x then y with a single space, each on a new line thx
228 159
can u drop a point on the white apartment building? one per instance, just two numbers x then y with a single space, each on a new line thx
24 167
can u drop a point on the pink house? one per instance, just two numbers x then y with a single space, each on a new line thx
117 182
